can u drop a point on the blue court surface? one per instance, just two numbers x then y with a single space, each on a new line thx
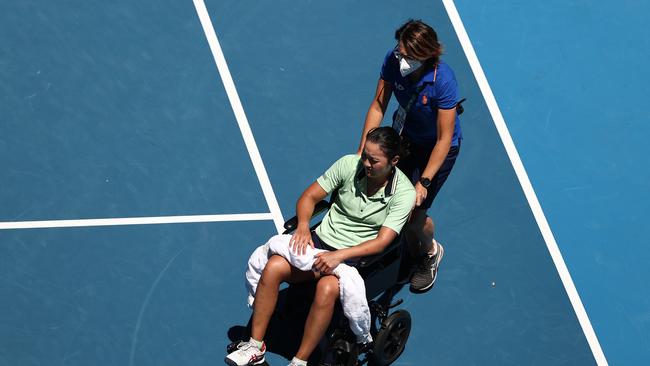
132 191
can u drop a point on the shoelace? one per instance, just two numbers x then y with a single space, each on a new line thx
243 346
427 263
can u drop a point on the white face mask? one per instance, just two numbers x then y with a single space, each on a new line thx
407 67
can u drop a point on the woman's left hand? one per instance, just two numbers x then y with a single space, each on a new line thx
420 194
326 261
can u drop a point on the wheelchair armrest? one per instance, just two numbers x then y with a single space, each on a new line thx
291 224
366 262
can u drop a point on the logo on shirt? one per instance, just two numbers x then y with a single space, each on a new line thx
399 86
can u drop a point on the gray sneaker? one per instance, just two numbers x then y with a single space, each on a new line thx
426 271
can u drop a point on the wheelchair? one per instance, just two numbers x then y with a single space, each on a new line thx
338 347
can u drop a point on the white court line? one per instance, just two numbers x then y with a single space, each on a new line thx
133 221
525 183
242 121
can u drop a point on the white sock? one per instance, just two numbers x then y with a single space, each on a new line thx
256 343
298 362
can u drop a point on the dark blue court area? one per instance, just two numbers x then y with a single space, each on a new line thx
117 110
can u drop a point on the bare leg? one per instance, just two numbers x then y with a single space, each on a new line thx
277 270
419 233
320 315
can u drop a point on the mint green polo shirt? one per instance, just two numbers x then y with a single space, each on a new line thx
354 217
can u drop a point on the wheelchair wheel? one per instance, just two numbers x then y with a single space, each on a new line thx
341 353
391 338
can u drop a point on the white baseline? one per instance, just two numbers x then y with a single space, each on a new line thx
269 195
237 108
133 221
518 166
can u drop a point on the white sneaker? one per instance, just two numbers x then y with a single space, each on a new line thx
247 354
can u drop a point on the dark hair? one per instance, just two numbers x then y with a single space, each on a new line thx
420 41
389 141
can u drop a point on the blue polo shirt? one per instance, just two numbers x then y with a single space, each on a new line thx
421 127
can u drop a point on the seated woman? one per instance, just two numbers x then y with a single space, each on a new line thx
373 203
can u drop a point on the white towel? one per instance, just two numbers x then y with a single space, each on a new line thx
351 285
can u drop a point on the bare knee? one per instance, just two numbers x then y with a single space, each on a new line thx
428 225
327 292
277 270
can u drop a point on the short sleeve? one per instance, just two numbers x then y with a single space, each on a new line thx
389 67
399 210
447 90
338 173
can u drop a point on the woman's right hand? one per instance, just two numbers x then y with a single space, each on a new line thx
300 239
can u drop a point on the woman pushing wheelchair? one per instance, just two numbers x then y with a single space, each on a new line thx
427 92
373 202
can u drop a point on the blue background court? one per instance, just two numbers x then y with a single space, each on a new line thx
119 111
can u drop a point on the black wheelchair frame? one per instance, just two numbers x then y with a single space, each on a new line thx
390 330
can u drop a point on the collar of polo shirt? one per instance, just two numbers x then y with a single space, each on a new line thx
389 189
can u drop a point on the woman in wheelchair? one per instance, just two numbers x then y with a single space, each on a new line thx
373 202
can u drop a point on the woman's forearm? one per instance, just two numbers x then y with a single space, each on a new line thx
373 120
307 202
445 126
364 249
437 157
376 110
304 210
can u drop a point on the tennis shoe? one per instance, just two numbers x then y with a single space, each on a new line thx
246 354
426 271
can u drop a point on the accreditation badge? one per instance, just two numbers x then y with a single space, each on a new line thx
398 121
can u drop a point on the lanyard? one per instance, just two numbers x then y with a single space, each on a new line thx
400 118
